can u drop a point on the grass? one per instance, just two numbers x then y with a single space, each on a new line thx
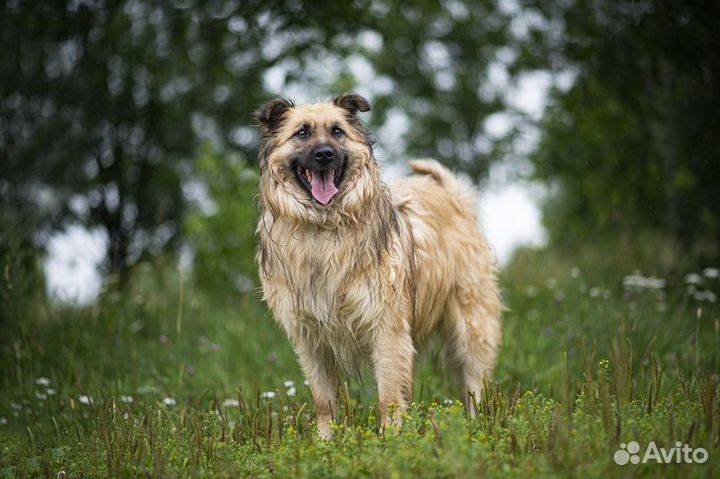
166 379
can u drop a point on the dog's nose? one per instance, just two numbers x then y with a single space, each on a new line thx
324 154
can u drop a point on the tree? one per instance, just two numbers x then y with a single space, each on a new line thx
103 106
631 144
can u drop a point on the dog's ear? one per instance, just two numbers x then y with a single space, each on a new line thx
271 113
352 102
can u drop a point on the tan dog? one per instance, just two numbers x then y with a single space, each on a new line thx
356 271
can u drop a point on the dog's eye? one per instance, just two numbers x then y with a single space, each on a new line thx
302 133
337 131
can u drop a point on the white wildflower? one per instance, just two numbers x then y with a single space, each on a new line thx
42 381
169 401
51 392
3 421
693 278
291 392
231 403
595 292
85 399
289 383
706 295
126 399
15 406
449 402
268 395
711 273
306 383
575 272
41 396
638 281
147 389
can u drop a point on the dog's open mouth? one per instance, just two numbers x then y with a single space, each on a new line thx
322 185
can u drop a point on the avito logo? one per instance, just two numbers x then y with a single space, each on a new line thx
680 454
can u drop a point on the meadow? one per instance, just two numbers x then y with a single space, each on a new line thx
166 379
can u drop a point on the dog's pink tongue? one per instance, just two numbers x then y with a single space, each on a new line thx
322 187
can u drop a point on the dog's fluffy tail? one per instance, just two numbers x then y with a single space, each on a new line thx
431 167
459 188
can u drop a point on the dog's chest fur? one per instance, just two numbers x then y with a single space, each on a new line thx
329 291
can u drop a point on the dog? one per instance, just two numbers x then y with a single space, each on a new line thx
358 272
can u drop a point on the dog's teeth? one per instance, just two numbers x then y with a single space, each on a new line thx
309 175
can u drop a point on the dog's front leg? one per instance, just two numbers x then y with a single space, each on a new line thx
393 363
322 375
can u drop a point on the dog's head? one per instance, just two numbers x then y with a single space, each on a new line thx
315 158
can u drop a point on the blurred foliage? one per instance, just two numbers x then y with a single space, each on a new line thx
632 143
221 229
21 278
103 105
105 108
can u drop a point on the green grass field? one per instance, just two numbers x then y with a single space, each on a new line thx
168 380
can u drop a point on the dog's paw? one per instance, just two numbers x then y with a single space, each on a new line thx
325 431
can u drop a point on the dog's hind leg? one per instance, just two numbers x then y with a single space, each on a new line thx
474 334
322 375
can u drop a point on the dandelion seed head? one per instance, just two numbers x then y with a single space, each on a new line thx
289 383
291 392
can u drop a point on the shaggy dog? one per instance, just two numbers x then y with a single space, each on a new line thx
354 270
